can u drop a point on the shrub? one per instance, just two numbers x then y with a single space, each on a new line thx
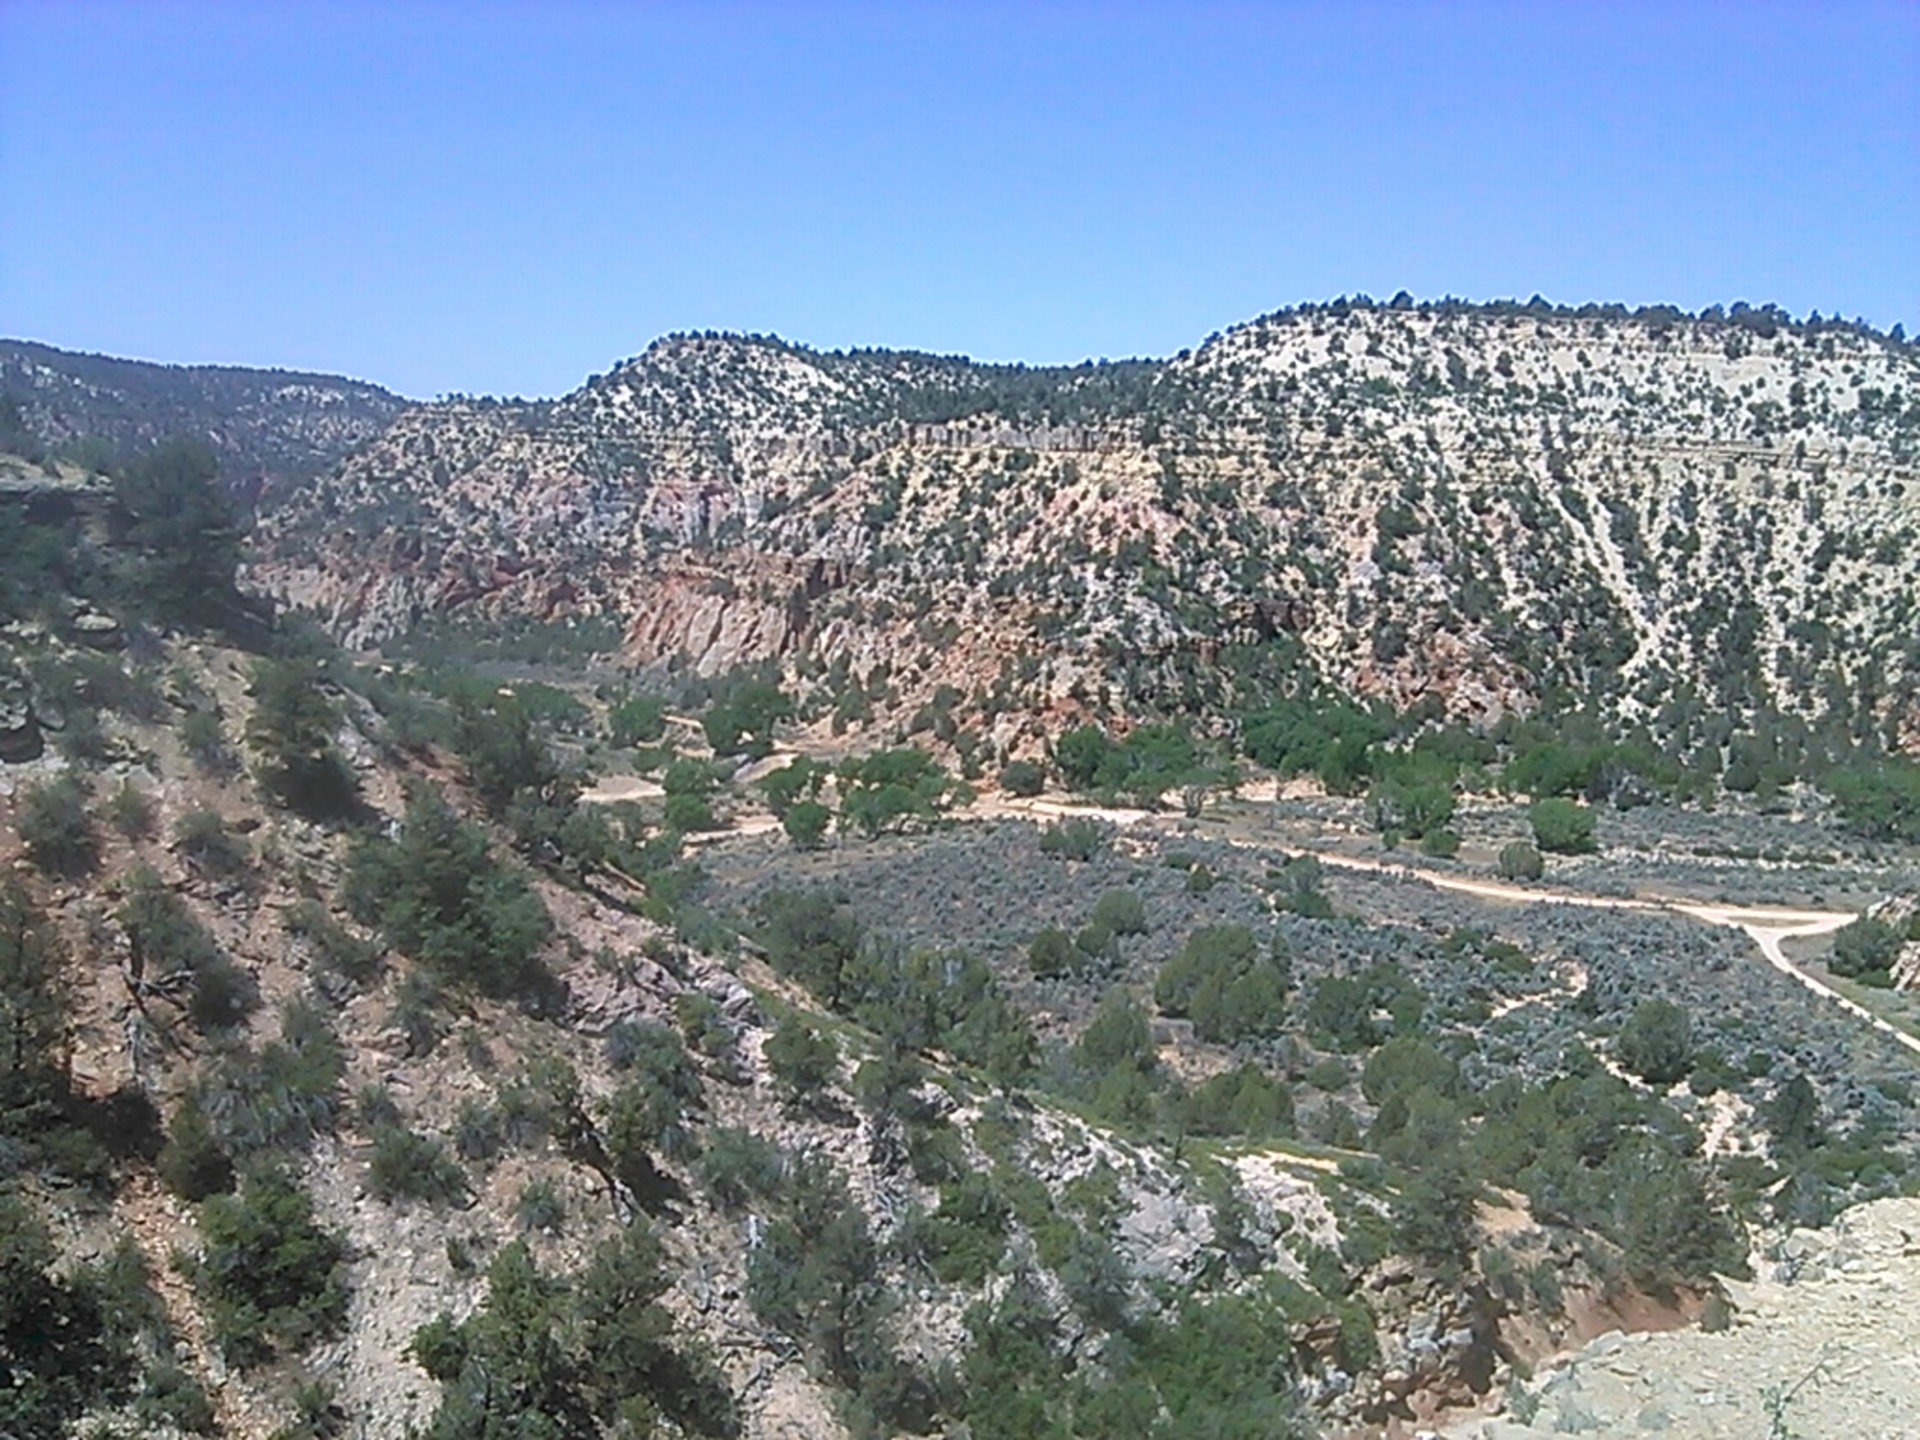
816 1275
170 948
1243 1101
437 894
338 951
418 1015
203 838
663 1083
56 829
410 1166
889 789
130 810
1562 827
1122 912
286 1094
813 937
1297 888
271 1277
1406 1066
205 742
1880 800
574 1355
1073 839
177 526
479 1131
1521 861
292 730
806 823
1095 943
503 756
965 1239
174 1396
1656 1043
1023 778
1340 1011
60 1355
739 1166
799 779
805 1062
704 1025
193 1164
1052 953
637 720
742 723
540 1207
34 1024
1864 947
1221 981
690 813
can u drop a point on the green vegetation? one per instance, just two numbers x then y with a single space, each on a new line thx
179 533
1656 1043
637 720
410 1166
742 720
56 828
916 1002
1229 989
292 730
1521 861
1865 949
174 957
1561 827
59 1353
1332 740
1023 778
816 1278
438 895
1150 761
805 1062
585 1354
1880 799
1217 1367
1073 839
270 1276
890 789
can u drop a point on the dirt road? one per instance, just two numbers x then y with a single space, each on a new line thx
1769 929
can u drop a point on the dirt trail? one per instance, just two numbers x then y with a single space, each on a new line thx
1768 928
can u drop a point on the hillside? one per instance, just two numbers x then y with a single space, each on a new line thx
266 427
1472 510
477 1039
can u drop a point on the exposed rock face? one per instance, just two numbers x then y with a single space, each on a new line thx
1467 508
1821 1346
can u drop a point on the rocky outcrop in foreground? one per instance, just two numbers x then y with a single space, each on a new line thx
1821 1345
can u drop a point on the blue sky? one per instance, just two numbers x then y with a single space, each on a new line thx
504 198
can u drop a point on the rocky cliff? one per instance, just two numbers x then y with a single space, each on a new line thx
1473 508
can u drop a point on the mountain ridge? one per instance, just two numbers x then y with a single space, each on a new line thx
1476 510
267 426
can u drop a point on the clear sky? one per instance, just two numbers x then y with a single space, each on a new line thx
505 198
